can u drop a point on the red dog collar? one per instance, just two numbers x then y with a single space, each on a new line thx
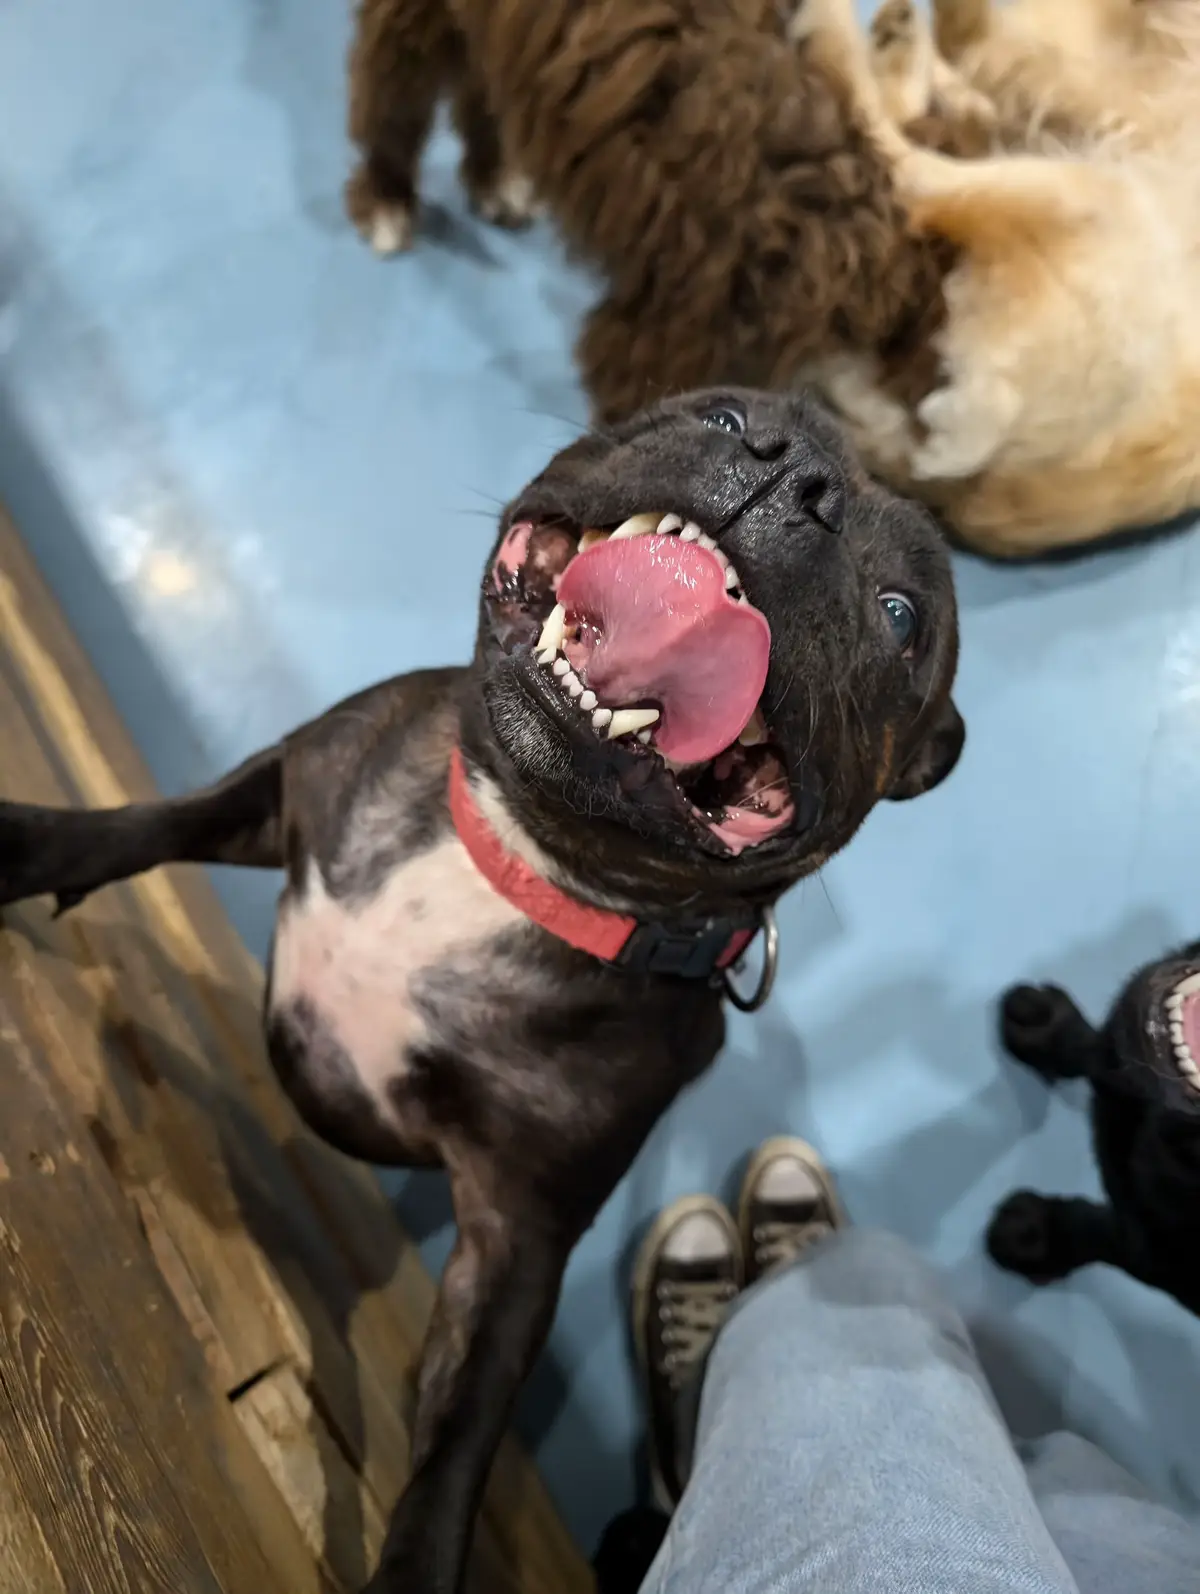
694 949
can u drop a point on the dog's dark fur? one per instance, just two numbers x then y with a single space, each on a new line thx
707 165
532 1071
1146 1130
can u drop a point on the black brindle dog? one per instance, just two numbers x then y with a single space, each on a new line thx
1144 1070
707 645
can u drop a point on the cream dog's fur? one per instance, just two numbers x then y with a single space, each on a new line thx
1067 397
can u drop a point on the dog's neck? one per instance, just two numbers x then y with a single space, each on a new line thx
514 866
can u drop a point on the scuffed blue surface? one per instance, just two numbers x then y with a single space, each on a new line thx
259 468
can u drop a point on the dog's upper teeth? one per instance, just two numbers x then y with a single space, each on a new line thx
669 523
691 532
755 732
638 525
731 577
554 630
628 721
590 538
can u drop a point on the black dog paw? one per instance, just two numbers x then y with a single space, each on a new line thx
1021 1237
1034 1019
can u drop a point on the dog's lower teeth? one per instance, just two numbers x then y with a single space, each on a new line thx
587 702
601 718
561 668
628 721
573 684
644 738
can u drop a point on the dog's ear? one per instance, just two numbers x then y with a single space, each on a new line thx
934 758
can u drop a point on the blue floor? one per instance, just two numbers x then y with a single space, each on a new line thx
259 467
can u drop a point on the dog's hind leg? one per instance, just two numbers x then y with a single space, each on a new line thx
406 55
71 852
494 1309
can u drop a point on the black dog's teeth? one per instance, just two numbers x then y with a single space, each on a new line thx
621 721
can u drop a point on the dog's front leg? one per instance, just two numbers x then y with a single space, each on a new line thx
70 852
494 1309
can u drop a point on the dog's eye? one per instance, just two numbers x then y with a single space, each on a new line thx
902 618
729 418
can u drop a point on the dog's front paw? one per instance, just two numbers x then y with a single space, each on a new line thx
387 220
1020 1237
1033 1022
509 201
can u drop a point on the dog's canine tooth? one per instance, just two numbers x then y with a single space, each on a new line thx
691 532
561 668
755 732
554 630
637 525
670 523
631 720
547 657
1186 987
590 538
601 718
587 702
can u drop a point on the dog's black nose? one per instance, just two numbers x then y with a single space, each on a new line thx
822 497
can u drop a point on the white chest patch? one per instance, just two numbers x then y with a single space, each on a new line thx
355 962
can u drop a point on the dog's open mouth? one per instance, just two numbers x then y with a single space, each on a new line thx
646 632
1183 1016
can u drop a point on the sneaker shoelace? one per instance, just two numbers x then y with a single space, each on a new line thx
777 1243
691 1313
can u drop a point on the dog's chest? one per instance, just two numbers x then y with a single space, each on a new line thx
357 964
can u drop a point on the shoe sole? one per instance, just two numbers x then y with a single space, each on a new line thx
643 1284
770 1150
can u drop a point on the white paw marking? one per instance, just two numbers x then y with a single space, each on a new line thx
390 230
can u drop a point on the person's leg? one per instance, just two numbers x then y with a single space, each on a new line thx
848 1440
1114 1536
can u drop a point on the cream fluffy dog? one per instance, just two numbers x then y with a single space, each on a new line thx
1063 397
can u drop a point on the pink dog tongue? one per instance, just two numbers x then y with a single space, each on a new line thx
655 621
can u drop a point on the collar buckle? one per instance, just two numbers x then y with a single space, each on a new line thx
696 949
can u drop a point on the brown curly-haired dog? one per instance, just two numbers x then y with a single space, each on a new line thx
695 150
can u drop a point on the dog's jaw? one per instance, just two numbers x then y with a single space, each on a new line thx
1183 1019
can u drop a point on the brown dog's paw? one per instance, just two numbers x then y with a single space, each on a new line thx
387 220
509 202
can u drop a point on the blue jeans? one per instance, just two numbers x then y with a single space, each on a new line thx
848 1444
